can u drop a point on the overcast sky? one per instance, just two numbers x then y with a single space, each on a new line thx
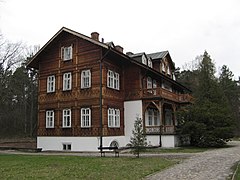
186 28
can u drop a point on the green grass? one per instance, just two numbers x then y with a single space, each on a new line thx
73 167
237 175
178 150
236 139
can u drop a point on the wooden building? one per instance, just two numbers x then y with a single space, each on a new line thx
90 94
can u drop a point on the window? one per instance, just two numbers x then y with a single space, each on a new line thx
149 83
113 117
67 118
154 86
86 79
113 80
50 119
114 144
67 81
66 53
150 62
85 117
152 117
167 86
144 59
51 84
168 71
174 77
163 68
67 146
168 117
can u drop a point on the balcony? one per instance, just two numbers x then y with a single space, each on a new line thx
163 93
157 130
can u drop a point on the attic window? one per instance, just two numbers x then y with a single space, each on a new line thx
163 68
66 53
168 71
150 63
144 60
174 77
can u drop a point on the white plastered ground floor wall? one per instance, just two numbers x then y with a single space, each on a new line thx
132 109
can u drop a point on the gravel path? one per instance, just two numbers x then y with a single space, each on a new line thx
214 164
209 165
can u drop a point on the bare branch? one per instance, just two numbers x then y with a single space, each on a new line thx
10 53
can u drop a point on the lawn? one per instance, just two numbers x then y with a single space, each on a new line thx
73 167
237 175
178 150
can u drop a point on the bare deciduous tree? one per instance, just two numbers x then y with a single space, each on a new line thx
10 53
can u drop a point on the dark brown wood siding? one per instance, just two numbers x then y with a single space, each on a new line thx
85 56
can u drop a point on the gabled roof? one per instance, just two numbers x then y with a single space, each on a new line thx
110 46
136 55
158 55
34 60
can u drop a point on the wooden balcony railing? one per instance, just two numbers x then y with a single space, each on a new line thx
160 92
167 129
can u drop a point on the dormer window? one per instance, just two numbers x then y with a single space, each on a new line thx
168 71
163 68
144 59
174 77
150 62
66 53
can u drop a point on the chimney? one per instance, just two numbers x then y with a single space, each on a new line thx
129 53
119 48
95 36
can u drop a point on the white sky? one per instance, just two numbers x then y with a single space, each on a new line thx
183 27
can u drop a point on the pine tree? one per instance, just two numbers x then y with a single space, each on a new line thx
138 141
232 92
209 120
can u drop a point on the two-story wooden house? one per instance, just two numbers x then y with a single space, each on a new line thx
90 94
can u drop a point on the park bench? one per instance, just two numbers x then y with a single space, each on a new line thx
104 150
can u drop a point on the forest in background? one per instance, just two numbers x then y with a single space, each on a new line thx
18 90
19 86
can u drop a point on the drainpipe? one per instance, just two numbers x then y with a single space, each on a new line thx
100 99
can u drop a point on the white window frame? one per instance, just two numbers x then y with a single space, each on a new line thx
66 53
150 62
149 83
152 117
51 84
113 118
113 80
50 119
144 59
168 71
66 115
67 81
85 117
174 77
154 85
163 68
86 79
